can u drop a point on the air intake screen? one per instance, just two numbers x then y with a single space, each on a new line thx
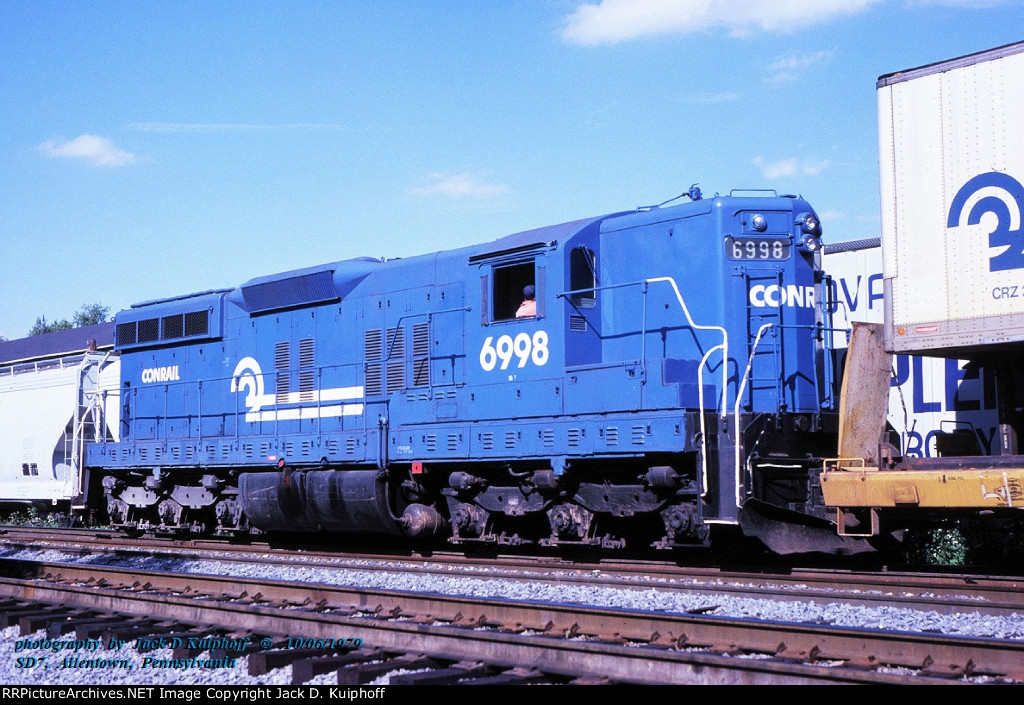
316 287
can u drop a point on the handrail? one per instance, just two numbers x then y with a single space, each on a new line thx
736 409
724 346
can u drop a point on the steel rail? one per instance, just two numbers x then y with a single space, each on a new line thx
944 593
591 640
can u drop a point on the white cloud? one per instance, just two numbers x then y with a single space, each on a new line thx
98 150
790 67
460 185
789 167
776 170
614 21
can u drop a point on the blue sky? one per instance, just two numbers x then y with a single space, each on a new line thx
150 149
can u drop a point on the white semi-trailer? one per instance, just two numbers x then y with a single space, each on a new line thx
951 151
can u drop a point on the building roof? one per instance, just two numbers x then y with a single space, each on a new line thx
60 343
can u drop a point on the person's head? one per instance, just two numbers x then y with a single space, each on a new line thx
528 292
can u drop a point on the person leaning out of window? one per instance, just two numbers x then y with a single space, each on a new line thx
528 309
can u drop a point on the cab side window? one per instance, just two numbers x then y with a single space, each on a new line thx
583 277
515 286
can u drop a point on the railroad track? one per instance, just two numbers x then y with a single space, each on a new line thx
450 638
939 592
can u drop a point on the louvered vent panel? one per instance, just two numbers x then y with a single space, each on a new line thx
577 323
395 359
421 355
373 352
374 379
575 437
396 375
282 354
639 435
307 370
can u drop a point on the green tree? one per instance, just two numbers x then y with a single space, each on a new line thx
42 326
90 315
86 315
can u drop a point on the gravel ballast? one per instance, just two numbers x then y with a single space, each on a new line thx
708 602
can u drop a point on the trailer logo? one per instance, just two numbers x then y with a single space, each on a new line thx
1003 196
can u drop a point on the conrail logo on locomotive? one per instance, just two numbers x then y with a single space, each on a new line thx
289 406
776 295
1003 196
160 374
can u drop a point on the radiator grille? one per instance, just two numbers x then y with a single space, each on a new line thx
197 323
172 326
149 330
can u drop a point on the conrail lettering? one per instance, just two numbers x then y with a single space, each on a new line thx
160 374
775 295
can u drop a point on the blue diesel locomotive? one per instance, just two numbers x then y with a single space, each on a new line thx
670 373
